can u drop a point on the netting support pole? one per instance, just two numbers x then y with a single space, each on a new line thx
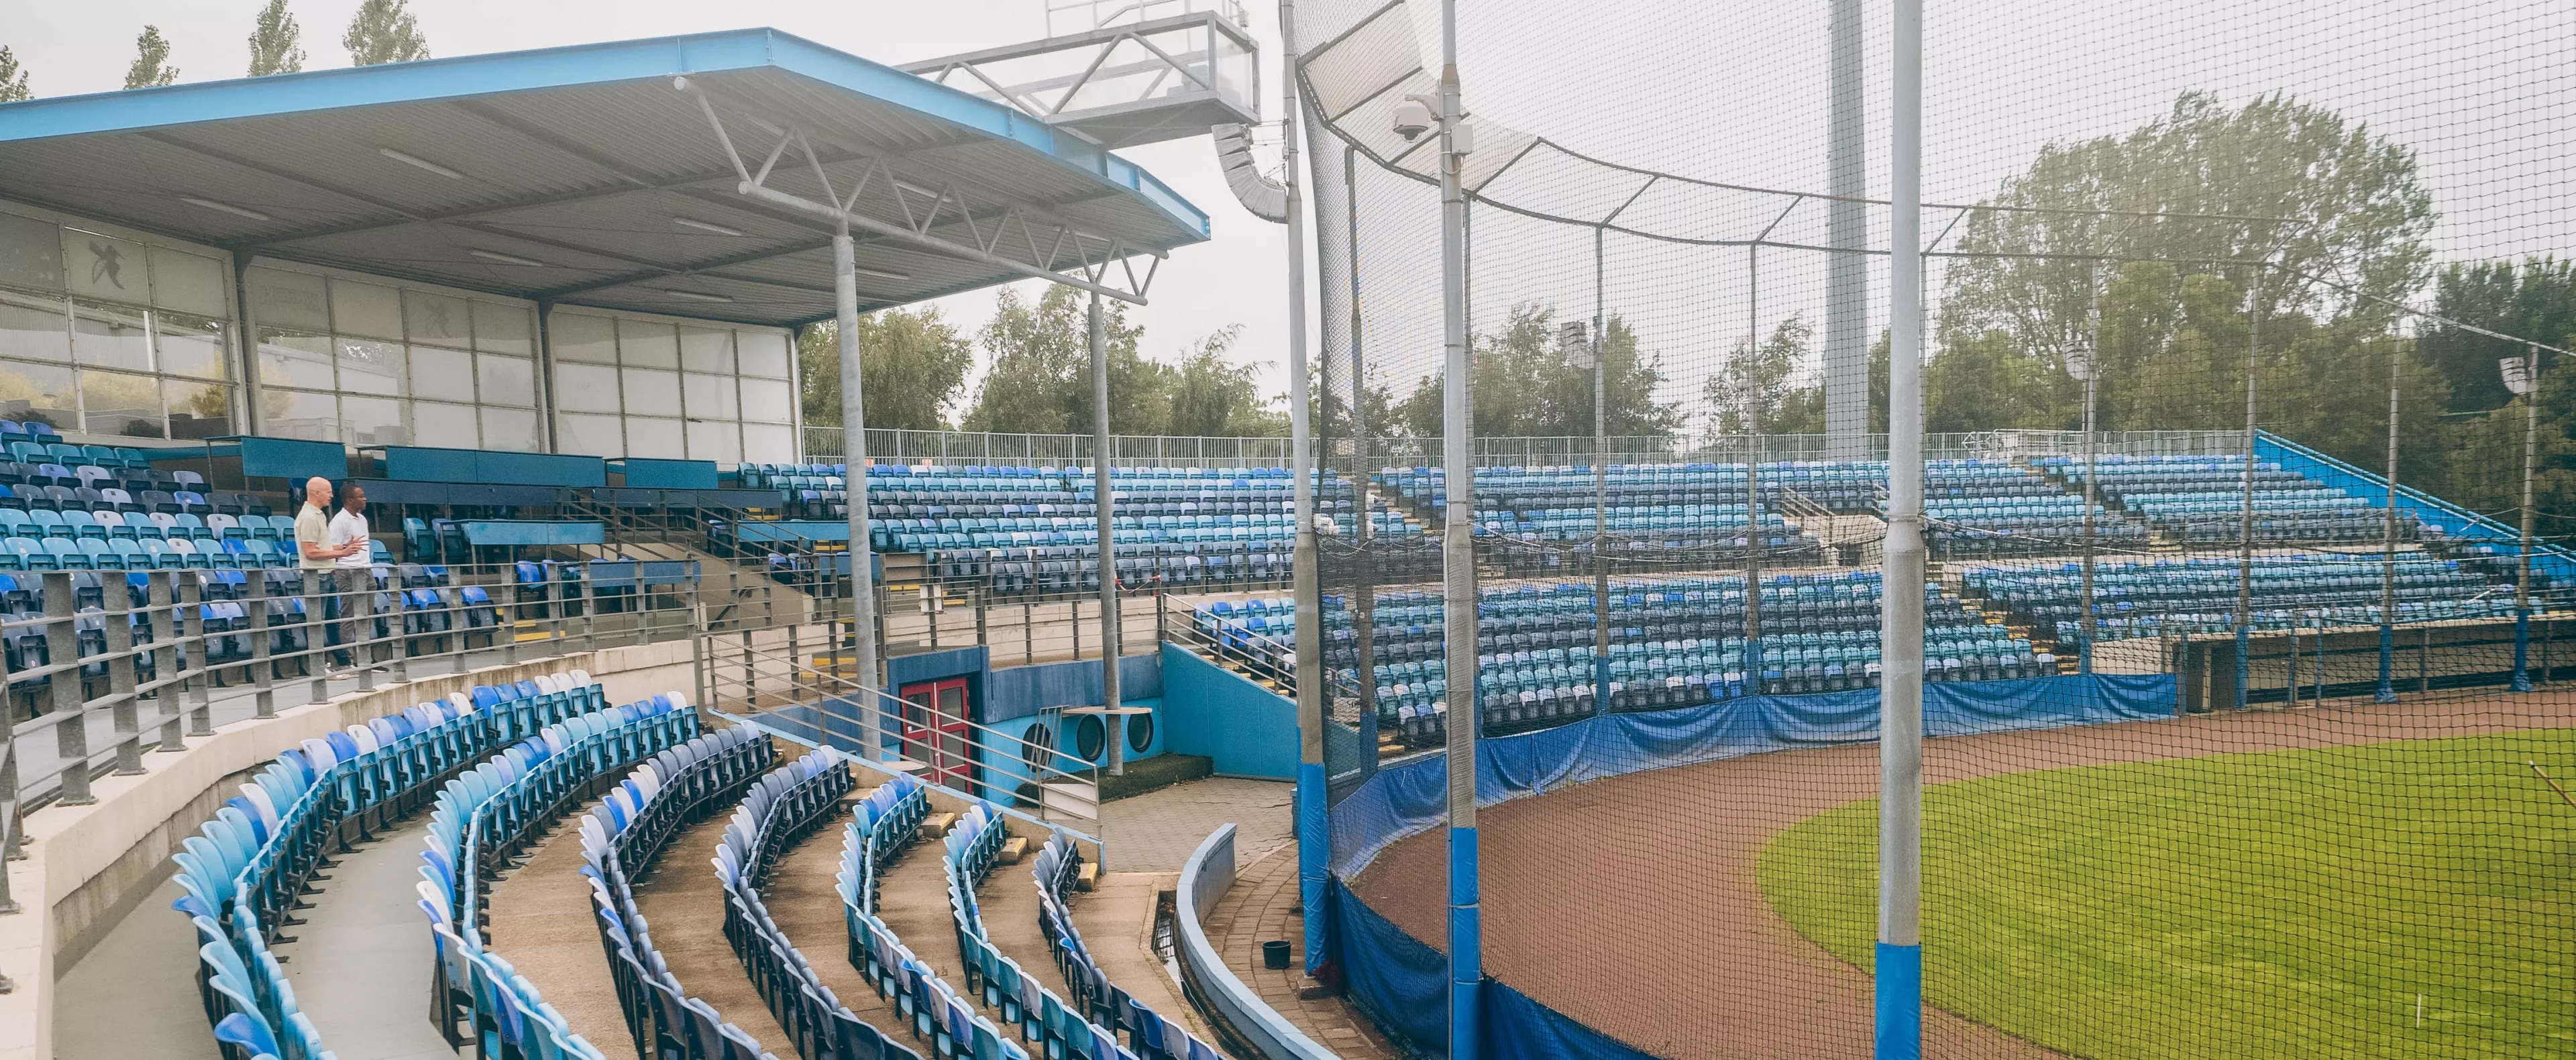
1899 971
1458 566
1600 483
854 453
1847 231
1364 604
1313 836
2387 692
1753 476
1104 508
2522 584
2245 516
2092 490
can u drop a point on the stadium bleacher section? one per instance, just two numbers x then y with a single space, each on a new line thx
775 815
2181 596
626 833
2201 499
885 827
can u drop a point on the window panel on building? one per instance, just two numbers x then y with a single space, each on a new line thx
121 403
110 336
300 414
655 438
440 424
372 421
105 267
764 353
512 429
647 344
198 409
710 397
290 301
506 380
651 393
39 392
503 329
365 309
582 337
591 435
437 319
369 366
764 443
706 349
719 440
31 253
35 327
442 375
191 346
586 388
190 283
296 359
768 401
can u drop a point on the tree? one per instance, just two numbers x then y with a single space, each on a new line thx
276 42
2279 194
151 61
384 31
1753 394
911 366
1212 396
1039 378
13 78
1524 385
2536 301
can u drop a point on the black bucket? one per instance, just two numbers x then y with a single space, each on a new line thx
1274 955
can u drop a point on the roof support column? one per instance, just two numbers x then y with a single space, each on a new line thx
854 455
1101 494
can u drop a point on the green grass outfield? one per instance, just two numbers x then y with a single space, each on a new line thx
2282 904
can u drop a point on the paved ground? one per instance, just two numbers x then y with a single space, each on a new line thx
1263 906
135 993
803 899
1156 831
361 967
685 905
545 924
1630 904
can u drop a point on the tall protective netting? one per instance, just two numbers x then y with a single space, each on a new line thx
2248 497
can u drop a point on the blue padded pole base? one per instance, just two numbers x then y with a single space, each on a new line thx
1900 1003
1314 843
1466 945
2522 650
2387 662
2244 663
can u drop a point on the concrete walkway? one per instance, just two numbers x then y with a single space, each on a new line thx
1263 905
544 923
1156 831
685 905
135 993
806 903
1117 924
361 964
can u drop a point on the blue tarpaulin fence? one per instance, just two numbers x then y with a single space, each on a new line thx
1402 981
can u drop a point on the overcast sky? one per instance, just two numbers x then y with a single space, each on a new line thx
1234 279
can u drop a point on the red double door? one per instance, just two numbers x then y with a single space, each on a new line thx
935 732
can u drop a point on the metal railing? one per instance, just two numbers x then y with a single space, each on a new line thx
102 666
974 447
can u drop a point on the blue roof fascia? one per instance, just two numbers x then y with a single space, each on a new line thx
582 64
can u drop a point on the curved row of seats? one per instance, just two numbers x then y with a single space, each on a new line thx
488 815
632 827
1083 1026
774 816
884 825
247 869
2181 596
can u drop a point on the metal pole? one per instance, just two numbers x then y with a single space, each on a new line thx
1364 607
1600 483
2522 584
2245 524
2092 493
1753 477
854 443
1900 740
1314 844
1847 231
1103 508
1458 565
2388 548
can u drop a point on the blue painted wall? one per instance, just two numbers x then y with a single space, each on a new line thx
1208 710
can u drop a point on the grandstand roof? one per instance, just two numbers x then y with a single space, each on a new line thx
593 174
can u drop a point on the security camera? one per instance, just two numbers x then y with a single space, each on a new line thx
1412 119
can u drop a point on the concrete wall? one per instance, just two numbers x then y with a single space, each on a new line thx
1249 731
88 865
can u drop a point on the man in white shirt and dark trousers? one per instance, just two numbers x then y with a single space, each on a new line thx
316 555
353 584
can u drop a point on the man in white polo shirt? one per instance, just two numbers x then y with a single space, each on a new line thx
352 572
315 554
